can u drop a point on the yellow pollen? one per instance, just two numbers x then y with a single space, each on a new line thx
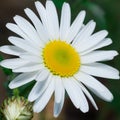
61 58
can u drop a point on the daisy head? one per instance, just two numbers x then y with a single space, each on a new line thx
59 57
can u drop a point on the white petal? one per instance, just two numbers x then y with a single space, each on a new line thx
101 44
52 18
75 27
11 50
58 89
22 79
43 75
101 70
19 42
42 13
88 95
86 31
58 106
76 95
92 40
38 89
95 86
84 107
41 102
17 30
72 92
32 58
96 56
38 25
29 30
105 95
13 63
29 68
65 21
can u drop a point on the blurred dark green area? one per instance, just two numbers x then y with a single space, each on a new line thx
106 13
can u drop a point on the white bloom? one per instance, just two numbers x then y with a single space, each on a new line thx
59 57
16 108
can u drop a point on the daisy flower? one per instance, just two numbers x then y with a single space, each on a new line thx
59 57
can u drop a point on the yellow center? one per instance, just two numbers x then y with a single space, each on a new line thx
61 58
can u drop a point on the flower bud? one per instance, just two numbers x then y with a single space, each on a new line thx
16 108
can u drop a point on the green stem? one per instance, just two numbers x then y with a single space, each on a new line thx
16 92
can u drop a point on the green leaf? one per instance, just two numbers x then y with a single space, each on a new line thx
58 3
97 12
25 89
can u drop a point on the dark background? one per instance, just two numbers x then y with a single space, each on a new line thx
106 13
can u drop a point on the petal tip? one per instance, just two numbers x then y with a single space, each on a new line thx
37 2
2 63
104 32
55 115
96 108
65 3
8 25
110 99
83 12
16 17
116 53
0 48
30 99
26 9
35 109
84 110
10 38
11 85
